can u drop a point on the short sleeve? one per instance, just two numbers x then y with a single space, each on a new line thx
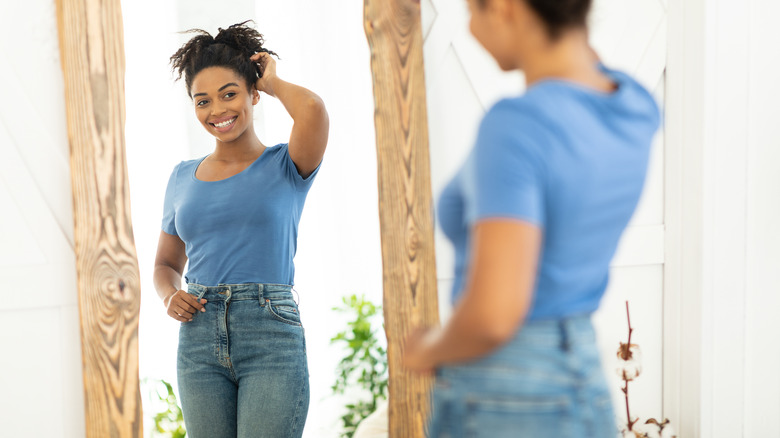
169 210
508 166
301 183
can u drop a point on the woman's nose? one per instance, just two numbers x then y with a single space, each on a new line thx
217 109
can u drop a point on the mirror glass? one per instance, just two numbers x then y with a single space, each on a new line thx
322 46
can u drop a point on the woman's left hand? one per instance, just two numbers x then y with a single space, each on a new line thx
416 352
267 65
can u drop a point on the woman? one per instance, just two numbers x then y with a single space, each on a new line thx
234 215
535 215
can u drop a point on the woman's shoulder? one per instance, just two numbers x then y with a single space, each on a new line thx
520 104
520 114
277 149
273 153
515 126
184 164
191 164
560 103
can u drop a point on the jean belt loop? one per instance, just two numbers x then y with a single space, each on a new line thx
563 328
260 289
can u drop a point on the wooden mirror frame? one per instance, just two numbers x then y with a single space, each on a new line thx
93 64
394 32
92 54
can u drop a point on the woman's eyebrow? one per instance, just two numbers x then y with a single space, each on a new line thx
220 88
227 85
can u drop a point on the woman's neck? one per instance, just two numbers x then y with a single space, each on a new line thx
246 147
570 58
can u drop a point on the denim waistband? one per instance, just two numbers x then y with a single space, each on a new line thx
538 344
245 291
572 330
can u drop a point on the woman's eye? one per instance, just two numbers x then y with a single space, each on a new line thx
229 95
202 102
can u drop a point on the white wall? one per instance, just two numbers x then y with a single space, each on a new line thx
41 391
722 323
761 403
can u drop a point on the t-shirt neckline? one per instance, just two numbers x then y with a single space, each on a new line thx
576 86
197 165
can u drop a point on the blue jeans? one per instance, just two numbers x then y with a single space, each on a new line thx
547 382
242 367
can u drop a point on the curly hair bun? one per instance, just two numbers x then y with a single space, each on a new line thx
242 38
560 14
231 48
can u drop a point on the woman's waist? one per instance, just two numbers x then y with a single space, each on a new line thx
547 346
241 291
216 273
564 332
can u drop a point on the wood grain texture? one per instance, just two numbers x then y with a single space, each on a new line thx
406 221
92 53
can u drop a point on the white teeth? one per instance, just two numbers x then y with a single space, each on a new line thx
225 123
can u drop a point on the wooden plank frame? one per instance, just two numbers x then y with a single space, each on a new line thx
92 54
394 33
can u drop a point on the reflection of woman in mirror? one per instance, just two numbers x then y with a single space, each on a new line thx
535 215
234 215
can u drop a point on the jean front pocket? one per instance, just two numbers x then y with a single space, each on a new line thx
284 310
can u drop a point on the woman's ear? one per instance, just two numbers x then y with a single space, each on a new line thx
255 95
496 6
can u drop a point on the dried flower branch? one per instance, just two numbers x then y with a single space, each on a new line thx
626 354
631 366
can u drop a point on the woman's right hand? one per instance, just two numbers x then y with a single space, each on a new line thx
267 65
181 306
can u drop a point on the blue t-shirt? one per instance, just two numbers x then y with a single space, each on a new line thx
242 229
568 159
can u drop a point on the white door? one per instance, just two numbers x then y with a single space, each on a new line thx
463 82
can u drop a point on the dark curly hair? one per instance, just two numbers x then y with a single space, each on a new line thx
559 15
231 48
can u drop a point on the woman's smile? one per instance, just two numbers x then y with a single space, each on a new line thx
223 124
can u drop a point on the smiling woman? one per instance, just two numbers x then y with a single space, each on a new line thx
234 215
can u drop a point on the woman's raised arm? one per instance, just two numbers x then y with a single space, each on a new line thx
309 135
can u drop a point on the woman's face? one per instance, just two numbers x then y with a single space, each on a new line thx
223 102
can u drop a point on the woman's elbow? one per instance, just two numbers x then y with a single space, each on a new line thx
500 315
315 107
499 333
500 329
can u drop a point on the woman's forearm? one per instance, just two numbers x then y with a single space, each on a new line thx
166 281
495 300
298 101
464 337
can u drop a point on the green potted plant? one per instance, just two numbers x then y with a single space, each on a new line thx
365 364
168 422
